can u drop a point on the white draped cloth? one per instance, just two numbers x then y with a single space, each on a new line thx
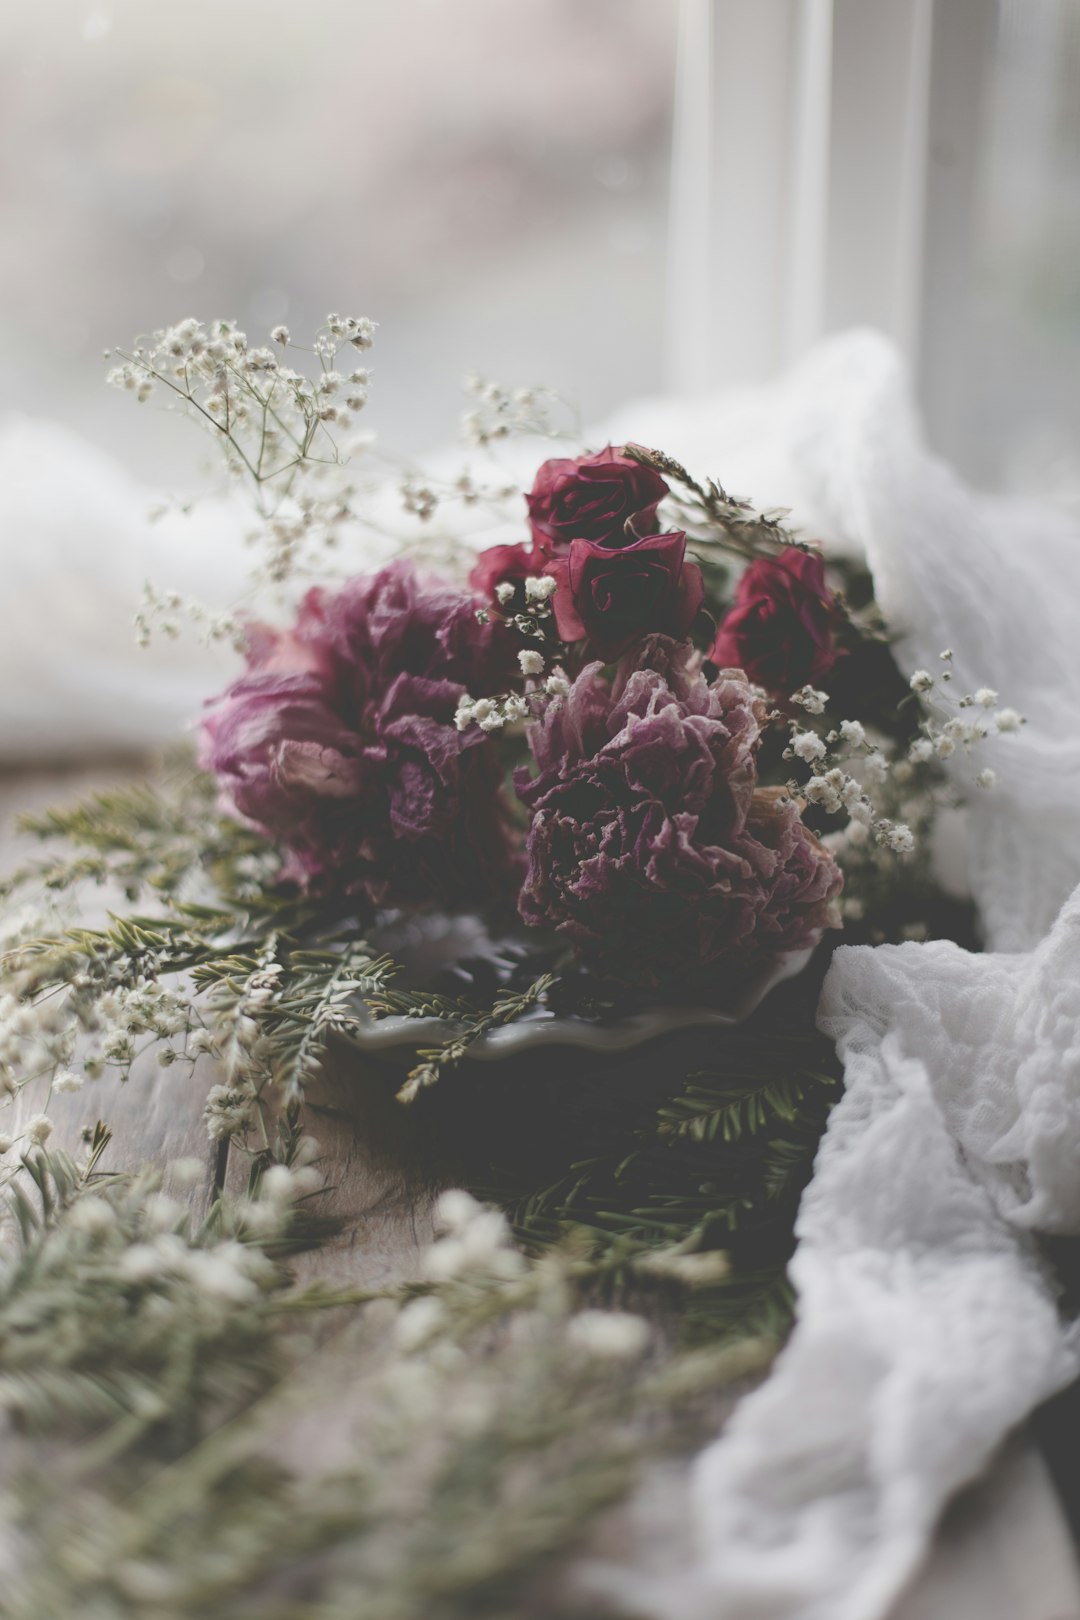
927 1322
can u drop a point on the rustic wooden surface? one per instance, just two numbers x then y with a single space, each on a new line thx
1004 1551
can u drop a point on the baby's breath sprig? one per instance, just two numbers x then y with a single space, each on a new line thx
860 775
271 419
503 413
950 723
834 759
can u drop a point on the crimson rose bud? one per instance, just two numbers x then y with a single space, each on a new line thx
504 565
781 627
591 498
614 595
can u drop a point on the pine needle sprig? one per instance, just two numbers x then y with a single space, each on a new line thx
707 1113
471 1026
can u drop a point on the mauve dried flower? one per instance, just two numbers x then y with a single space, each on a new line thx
340 743
651 845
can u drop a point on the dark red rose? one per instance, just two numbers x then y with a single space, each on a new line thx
500 565
611 596
591 498
782 627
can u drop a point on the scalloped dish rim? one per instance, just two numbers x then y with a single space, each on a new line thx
394 1033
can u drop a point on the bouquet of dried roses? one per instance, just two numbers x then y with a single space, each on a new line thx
550 739
624 770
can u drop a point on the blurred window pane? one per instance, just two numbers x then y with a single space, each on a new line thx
487 179
1022 413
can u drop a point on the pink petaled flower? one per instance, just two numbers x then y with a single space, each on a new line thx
340 744
592 498
652 847
613 596
781 629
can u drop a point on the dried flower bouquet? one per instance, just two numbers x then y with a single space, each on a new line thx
652 738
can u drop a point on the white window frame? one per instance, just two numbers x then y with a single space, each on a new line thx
823 171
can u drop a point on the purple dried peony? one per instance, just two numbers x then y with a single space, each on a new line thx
339 742
651 845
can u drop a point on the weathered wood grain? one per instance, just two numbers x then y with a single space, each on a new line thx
381 1182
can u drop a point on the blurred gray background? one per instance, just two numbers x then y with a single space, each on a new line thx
489 179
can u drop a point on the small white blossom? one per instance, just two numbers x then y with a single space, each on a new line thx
280 334
985 697
92 1216
454 1209
557 685
38 1128
853 734
608 1335
944 747
67 1080
222 1272
477 1239
282 1184
504 591
820 791
808 745
141 1263
922 681
1008 720
163 1212
362 334
921 750
227 1111
897 837
463 714
539 587
532 663
418 1321
986 778
810 699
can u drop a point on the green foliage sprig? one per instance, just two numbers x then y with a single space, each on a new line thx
467 1025
481 1419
